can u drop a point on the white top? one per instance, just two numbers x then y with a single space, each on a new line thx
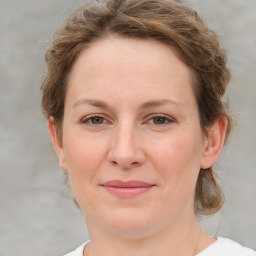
222 247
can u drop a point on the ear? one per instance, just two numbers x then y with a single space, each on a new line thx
213 143
57 144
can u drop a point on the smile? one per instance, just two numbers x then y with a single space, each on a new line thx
127 189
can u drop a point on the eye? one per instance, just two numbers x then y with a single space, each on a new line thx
97 120
160 120
94 120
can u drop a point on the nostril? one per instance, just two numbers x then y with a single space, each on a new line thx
125 156
114 162
125 165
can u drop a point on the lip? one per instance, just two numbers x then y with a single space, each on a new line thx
127 189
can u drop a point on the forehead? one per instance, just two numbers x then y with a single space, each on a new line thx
124 52
119 66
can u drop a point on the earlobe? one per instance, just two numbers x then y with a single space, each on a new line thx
214 142
57 144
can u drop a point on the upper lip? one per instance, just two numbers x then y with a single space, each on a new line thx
126 184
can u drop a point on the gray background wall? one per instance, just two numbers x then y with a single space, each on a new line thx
35 218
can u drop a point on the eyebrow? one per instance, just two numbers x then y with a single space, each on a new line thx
95 103
145 105
156 103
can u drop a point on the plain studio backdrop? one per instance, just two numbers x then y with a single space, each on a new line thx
35 217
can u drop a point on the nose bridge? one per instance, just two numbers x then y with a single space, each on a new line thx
125 148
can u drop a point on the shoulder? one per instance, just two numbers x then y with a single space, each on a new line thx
78 251
227 247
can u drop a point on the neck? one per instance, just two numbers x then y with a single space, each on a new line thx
178 238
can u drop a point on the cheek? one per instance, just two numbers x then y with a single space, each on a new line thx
178 164
178 159
84 157
83 154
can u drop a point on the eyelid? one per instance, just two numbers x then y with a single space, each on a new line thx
167 117
85 119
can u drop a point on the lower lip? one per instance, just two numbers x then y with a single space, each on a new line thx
127 192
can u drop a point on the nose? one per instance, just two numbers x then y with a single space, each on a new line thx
125 150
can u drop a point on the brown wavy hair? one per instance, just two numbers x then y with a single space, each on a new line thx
169 22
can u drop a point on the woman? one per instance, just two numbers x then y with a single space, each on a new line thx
134 99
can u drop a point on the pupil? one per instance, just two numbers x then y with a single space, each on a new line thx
97 120
159 120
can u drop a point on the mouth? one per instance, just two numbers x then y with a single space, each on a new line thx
127 189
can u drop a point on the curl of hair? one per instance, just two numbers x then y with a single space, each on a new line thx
169 22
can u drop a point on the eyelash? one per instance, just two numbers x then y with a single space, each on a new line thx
88 120
167 119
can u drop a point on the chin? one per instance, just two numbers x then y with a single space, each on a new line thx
131 224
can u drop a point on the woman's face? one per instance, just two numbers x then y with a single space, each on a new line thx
132 143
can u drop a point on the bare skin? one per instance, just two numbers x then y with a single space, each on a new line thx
131 114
